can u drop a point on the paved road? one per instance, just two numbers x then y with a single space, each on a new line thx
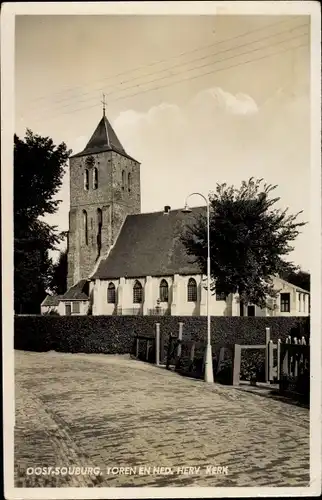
109 411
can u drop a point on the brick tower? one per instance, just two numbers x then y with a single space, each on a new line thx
104 189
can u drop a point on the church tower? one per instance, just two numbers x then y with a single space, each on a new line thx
104 189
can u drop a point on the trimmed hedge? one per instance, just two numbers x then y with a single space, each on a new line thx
114 334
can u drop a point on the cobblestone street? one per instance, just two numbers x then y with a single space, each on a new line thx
111 411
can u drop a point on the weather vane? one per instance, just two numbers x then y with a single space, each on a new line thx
104 104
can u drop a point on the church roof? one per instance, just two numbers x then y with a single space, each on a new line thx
103 139
149 245
51 300
80 291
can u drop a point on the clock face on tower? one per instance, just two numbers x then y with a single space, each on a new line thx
90 161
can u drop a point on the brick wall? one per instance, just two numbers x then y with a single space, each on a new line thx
114 200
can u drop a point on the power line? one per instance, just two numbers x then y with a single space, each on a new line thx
199 75
171 58
185 64
218 71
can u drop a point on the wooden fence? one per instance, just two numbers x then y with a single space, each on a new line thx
286 363
293 370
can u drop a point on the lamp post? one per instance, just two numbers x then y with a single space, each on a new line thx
209 376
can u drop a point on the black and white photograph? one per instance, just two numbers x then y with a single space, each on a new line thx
161 244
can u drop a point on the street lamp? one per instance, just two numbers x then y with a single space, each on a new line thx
209 375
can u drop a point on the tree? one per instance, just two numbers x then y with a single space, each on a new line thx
59 276
249 241
38 171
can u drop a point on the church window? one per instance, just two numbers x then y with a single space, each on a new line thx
86 180
129 182
164 291
99 218
137 293
285 302
99 231
123 180
76 308
192 290
85 226
111 295
95 178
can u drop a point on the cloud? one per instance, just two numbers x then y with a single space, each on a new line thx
219 99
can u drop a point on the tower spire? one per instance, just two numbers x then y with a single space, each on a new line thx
104 104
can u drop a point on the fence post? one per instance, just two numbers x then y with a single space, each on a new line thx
285 361
270 360
267 340
221 358
192 354
296 364
169 353
236 364
157 344
147 350
137 347
162 353
278 360
180 339
192 351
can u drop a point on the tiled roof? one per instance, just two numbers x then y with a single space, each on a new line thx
149 245
103 139
80 291
52 300
297 288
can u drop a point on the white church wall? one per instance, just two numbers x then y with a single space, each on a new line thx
152 297
100 297
178 304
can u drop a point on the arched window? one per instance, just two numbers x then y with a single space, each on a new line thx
123 180
95 178
111 295
86 180
137 293
85 226
99 230
129 182
164 291
192 290
99 218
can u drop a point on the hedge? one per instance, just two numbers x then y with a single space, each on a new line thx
114 334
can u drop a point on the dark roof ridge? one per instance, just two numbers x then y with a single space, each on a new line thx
172 210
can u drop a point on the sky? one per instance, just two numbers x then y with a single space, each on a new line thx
198 100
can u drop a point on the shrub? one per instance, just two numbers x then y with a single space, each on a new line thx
114 334
252 364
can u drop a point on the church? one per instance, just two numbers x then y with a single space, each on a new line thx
124 262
